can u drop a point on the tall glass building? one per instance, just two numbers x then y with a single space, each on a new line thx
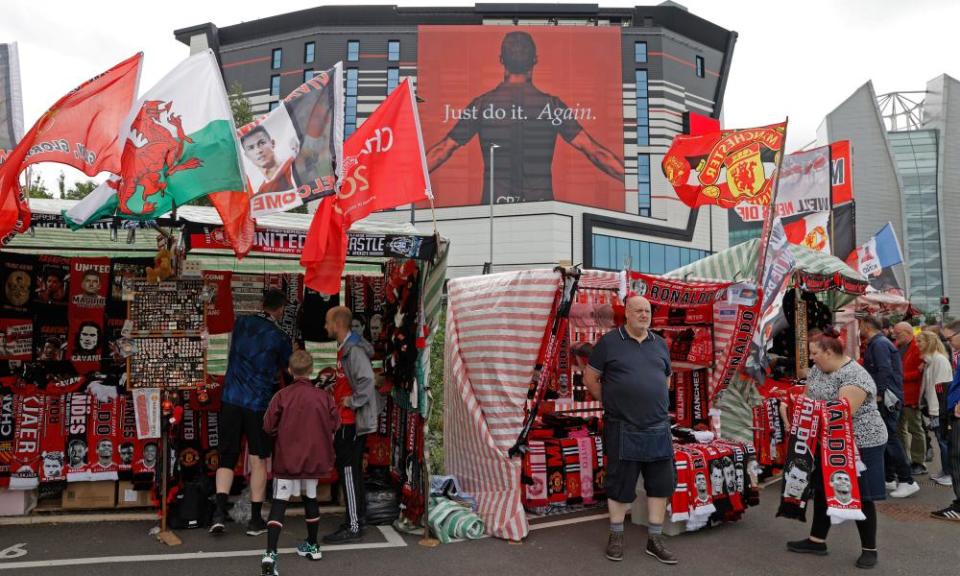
915 154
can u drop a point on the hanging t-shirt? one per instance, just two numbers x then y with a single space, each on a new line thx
220 309
89 283
17 275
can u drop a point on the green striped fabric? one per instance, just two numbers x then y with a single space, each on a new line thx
739 263
451 521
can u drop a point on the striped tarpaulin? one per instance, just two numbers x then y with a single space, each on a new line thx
494 328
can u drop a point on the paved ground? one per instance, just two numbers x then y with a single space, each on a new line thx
911 543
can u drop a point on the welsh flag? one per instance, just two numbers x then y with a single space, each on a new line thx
384 166
80 130
812 231
179 144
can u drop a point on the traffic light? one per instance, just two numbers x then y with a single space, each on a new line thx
945 304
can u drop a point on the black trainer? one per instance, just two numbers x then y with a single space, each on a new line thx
615 546
218 523
867 560
342 535
807 546
656 549
950 513
256 527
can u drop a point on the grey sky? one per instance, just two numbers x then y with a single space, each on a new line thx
796 59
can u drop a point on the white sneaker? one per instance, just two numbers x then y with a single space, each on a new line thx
891 486
943 479
905 490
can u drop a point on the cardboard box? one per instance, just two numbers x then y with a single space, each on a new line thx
90 495
17 502
127 497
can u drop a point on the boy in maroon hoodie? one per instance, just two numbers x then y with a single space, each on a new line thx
302 419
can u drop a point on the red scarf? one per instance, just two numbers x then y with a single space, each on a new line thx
838 461
830 424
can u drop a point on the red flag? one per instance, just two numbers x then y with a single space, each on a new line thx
81 130
725 168
384 167
238 226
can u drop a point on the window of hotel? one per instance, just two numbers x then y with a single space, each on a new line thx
309 52
643 184
350 108
393 51
643 110
277 60
640 52
393 79
353 50
275 85
611 253
700 67
307 74
273 106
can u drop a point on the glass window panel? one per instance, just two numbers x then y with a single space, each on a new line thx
644 257
393 50
307 74
700 67
640 52
309 52
602 251
393 79
277 60
657 262
275 85
672 260
634 255
353 50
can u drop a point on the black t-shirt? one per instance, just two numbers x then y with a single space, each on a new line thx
525 123
634 378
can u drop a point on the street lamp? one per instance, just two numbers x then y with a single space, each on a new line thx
492 148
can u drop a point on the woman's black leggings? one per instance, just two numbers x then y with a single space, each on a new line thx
821 522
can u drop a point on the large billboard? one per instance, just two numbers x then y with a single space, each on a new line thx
11 105
550 100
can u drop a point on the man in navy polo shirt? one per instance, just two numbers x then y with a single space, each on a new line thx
629 371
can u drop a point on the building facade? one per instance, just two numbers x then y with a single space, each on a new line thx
906 170
11 98
574 157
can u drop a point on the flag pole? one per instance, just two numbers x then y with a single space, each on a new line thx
771 209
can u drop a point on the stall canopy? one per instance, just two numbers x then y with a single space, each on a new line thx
815 271
276 250
495 324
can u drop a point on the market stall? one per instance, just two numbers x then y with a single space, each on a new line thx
68 356
499 332
824 284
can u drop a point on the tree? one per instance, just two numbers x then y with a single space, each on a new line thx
240 105
37 189
80 190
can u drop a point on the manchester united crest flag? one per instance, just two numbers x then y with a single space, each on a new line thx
727 167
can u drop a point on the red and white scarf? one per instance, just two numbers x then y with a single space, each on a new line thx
830 424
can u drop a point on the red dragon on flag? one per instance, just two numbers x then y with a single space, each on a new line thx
726 167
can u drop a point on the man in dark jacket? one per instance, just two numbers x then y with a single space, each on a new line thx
359 402
259 351
882 361
302 418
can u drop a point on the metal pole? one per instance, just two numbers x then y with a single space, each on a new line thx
492 147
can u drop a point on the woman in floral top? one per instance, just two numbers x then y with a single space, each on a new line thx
834 376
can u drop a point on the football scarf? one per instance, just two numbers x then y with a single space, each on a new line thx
830 424
585 454
51 442
682 390
78 412
680 500
7 419
535 476
838 460
190 445
24 469
698 489
16 339
700 405
570 449
103 433
89 284
17 273
799 463
402 294
211 441
128 437
51 281
220 316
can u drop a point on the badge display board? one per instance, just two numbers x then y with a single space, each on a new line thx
167 325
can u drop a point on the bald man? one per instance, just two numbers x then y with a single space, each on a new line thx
358 399
629 371
910 428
